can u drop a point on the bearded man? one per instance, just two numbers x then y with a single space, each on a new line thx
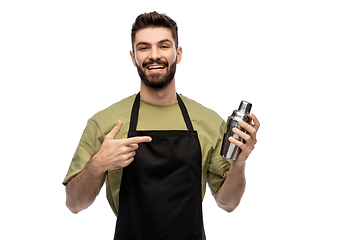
157 149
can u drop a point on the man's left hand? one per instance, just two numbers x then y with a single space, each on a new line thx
250 138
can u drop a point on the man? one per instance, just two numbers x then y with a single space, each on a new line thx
163 149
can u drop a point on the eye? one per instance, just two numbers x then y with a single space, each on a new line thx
142 47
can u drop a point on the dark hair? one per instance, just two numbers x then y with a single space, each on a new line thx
154 19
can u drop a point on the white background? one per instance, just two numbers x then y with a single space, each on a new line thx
62 61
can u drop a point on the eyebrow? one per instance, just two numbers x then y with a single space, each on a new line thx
160 42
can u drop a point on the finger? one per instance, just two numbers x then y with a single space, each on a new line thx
255 120
237 142
242 134
128 155
247 147
250 129
129 161
112 134
122 163
136 140
132 147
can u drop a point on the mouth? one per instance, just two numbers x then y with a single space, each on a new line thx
155 68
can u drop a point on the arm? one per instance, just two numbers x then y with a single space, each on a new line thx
230 194
82 190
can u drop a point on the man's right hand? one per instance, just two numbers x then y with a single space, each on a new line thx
82 190
116 154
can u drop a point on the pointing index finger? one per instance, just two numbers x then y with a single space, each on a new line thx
136 140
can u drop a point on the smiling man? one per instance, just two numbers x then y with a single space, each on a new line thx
157 149
158 69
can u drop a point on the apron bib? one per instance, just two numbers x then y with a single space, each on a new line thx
160 195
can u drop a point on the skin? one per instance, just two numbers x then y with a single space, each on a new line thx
82 190
154 45
230 194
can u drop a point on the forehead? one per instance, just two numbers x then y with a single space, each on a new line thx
153 35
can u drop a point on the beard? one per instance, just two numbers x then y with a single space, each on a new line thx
157 80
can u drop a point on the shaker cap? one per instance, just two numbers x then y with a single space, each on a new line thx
245 107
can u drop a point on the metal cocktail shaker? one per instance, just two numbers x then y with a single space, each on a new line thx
229 150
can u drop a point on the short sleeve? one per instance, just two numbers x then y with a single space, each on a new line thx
89 145
218 166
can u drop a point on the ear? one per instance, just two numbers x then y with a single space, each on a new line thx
179 55
133 58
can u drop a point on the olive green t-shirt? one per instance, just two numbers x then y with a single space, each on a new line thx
209 125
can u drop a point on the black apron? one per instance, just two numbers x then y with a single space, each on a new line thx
160 194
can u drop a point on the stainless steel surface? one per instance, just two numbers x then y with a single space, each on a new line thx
229 150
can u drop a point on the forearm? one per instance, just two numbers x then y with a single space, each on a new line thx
230 194
82 190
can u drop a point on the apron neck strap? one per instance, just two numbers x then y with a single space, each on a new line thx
135 113
185 114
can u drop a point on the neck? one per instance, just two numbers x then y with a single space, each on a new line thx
161 96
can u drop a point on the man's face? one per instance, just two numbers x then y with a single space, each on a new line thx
155 56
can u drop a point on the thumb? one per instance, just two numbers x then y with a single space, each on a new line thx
112 134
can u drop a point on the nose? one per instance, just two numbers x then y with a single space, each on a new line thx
155 54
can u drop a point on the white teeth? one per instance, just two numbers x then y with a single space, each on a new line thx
156 67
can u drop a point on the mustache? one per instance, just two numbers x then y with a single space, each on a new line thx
158 62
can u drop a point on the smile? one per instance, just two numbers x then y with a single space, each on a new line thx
155 67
